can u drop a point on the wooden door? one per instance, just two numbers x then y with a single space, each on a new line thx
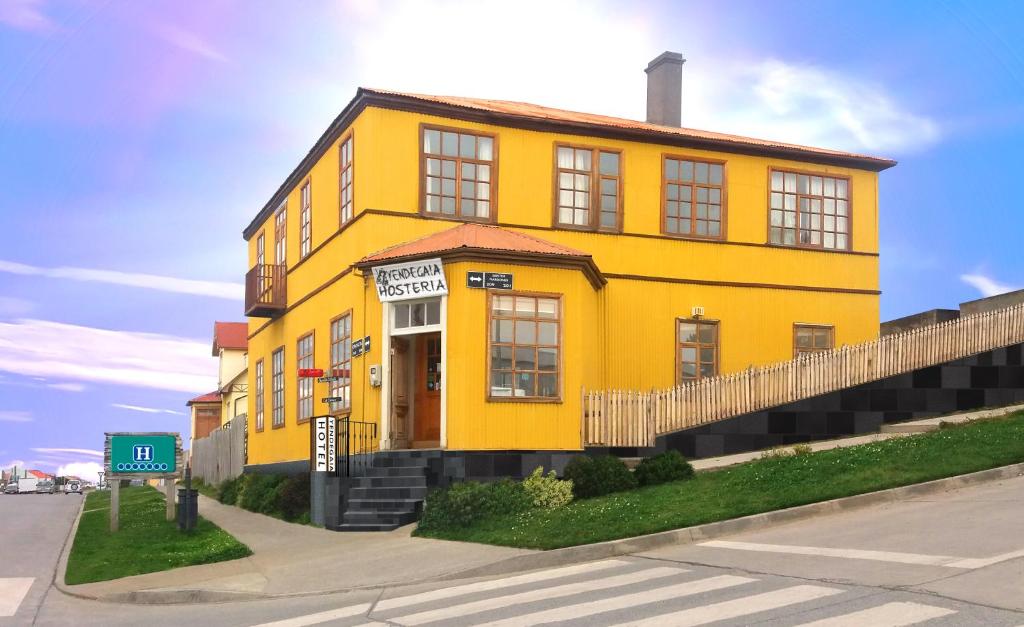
399 392
427 419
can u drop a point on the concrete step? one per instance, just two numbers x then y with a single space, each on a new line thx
378 518
406 462
385 505
909 428
367 527
387 493
395 481
394 471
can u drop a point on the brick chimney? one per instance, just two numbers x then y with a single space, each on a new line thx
665 89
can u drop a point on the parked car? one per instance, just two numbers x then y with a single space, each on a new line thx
11 488
73 487
45 486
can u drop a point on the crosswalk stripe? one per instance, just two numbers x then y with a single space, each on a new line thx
888 615
542 594
320 617
12 593
738 607
495 584
626 601
859 554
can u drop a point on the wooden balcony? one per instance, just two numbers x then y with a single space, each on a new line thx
266 294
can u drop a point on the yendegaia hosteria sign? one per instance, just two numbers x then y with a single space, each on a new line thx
406 281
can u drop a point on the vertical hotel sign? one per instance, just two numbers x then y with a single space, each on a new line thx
324 445
406 281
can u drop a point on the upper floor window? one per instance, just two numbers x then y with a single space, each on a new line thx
259 395
589 191
458 174
281 235
809 210
341 362
697 350
277 388
345 177
261 250
304 359
306 220
694 198
524 340
812 338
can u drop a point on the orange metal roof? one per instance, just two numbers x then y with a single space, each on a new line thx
473 236
526 109
210 397
231 336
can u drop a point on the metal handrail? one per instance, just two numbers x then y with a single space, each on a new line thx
356 443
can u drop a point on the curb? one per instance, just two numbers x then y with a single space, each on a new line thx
700 533
62 563
586 552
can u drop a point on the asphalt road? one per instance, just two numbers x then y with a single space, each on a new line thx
950 559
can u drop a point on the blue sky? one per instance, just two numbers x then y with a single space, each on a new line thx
137 139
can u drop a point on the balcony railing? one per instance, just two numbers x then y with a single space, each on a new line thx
266 292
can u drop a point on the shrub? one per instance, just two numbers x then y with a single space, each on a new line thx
802 449
594 476
228 491
293 497
282 496
547 491
462 504
662 468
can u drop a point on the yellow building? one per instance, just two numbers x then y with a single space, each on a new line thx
464 268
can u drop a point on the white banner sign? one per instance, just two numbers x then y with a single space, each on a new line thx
324 442
405 281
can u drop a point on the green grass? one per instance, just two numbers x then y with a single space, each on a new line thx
759 486
146 541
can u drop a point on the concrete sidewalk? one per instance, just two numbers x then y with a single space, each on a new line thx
292 559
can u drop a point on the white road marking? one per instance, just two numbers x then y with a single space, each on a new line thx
320 617
858 554
888 615
12 593
987 561
626 601
738 607
541 594
495 584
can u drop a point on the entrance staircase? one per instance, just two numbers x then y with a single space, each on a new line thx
388 495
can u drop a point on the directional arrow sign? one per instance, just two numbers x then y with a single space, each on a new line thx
329 379
333 399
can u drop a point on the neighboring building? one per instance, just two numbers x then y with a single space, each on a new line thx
935 316
623 254
38 474
210 411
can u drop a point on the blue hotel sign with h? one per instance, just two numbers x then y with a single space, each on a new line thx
143 454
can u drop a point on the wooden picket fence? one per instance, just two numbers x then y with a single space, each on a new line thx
221 455
635 418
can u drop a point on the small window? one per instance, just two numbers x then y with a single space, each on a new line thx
697 350
277 388
281 235
261 250
458 170
524 338
812 338
345 158
259 395
306 221
694 198
809 210
341 362
588 188
417 314
304 359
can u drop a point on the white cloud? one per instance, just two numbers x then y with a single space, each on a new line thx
766 98
79 353
87 471
67 387
25 15
213 289
146 410
986 285
69 451
190 42
15 416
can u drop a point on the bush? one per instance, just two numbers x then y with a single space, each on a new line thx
594 476
228 491
662 468
802 449
462 504
293 497
258 494
547 491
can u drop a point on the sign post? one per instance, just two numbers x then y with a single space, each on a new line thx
141 456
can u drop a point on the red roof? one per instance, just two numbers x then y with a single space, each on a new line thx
230 336
528 110
210 397
472 236
39 474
